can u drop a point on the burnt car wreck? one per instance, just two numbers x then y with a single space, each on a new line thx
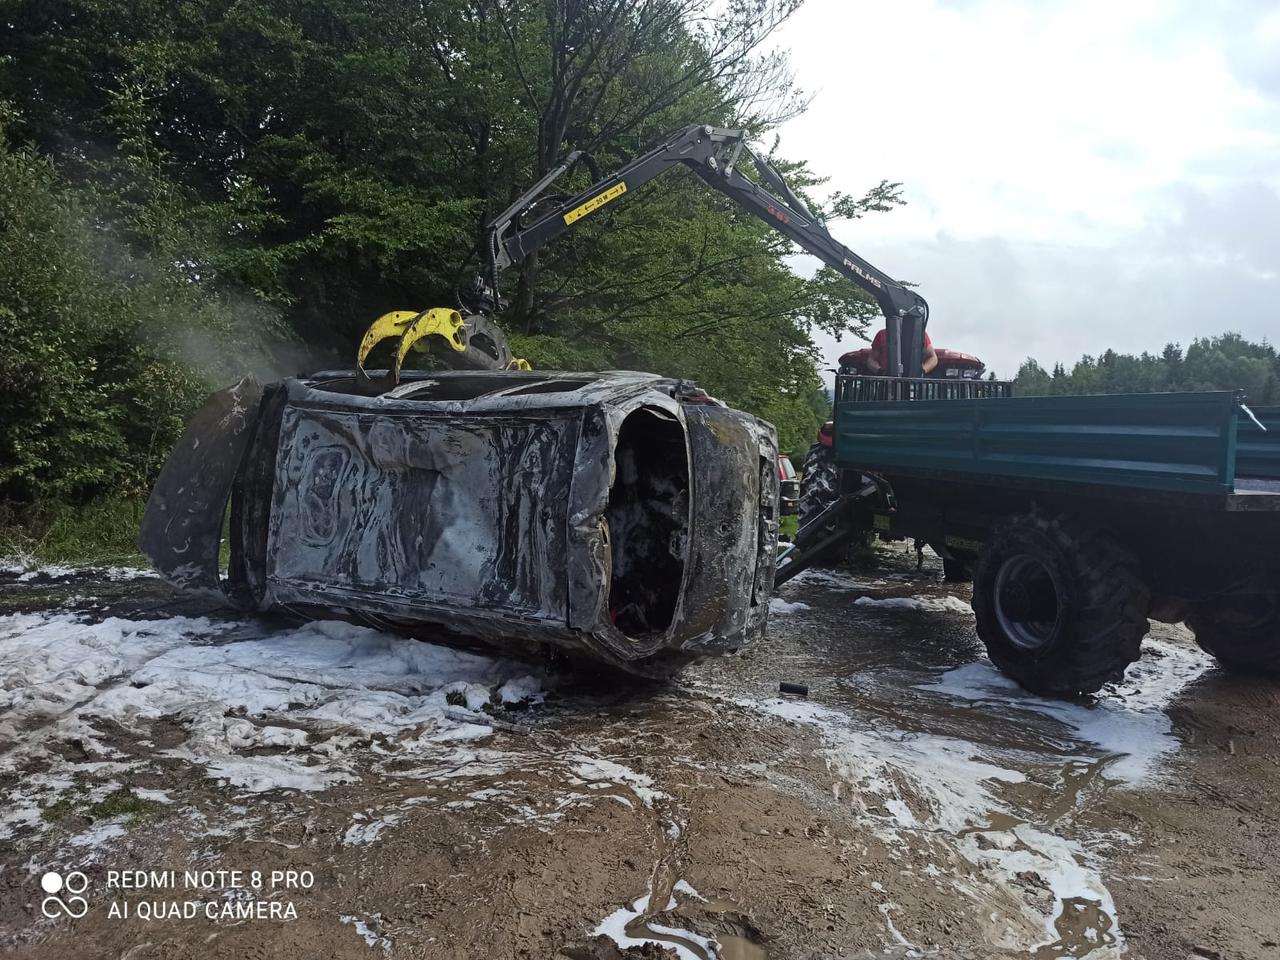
619 516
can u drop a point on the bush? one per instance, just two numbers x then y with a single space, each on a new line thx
93 390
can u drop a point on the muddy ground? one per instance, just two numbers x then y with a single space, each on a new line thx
914 804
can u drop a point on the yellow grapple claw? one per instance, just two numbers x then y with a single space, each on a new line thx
386 326
410 326
441 322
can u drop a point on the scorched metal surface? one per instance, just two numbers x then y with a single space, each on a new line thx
619 515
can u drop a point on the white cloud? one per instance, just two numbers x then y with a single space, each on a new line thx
1080 175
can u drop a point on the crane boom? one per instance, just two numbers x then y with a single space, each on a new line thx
713 154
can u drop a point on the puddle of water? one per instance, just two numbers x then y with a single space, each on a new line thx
740 948
637 923
731 946
1077 779
1083 927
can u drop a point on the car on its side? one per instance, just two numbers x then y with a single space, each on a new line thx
624 517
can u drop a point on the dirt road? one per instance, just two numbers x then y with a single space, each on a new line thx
387 797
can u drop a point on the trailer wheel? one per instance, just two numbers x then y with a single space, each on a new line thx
1061 607
1241 631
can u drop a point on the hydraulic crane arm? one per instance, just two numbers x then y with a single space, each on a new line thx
712 153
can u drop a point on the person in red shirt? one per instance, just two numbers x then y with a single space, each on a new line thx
877 359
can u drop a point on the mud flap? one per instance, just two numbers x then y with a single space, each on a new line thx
182 527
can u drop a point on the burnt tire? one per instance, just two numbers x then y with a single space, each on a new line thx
1241 632
1061 606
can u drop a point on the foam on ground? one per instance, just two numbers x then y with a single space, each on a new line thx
781 608
260 709
936 795
943 604
1126 720
26 570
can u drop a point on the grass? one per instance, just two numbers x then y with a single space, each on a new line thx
121 802
789 526
61 809
101 533
124 803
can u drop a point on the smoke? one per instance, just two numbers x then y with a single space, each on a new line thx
185 312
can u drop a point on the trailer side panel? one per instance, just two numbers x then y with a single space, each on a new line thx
1184 442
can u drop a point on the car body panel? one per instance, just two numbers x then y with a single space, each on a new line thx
182 528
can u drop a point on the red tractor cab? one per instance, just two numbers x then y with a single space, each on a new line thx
819 483
952 364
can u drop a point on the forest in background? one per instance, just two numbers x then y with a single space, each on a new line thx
193 189
1224 362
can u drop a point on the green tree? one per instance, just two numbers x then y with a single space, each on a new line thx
1031 380
1224 362
92 392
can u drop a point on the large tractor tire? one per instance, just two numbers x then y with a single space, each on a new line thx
1060 605
1242 630
819 488
819 482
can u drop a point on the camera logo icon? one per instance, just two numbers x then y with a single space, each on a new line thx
70 886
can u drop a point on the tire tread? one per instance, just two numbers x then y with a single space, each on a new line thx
1109 622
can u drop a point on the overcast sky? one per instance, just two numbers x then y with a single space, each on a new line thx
1080 175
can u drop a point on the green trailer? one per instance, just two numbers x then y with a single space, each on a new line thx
1079 519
